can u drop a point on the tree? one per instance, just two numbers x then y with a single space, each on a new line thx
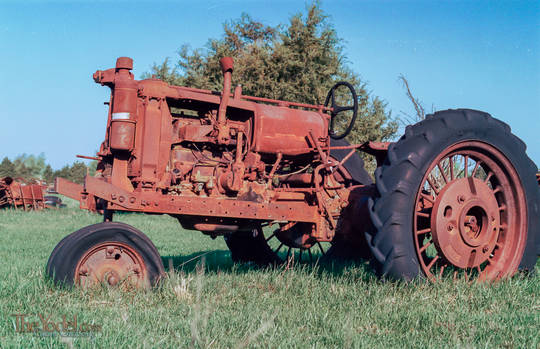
7 169
299 61
77 172
48 174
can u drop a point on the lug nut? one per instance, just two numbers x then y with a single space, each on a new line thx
450 227
460 199
110 250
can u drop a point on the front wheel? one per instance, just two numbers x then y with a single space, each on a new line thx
110 253
457 195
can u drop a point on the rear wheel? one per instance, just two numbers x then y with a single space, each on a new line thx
254 247
109 253
457 195
250 247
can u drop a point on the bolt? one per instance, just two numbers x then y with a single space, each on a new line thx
136 269
132 200
112 280
83 270
450 227
461 199
110 250
485 249
121 199
113 196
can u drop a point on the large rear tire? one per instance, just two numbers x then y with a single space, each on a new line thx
456 194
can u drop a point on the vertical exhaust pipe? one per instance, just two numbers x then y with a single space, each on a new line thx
227 66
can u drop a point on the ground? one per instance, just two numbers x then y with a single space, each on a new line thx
210 302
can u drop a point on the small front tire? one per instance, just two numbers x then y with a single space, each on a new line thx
106 253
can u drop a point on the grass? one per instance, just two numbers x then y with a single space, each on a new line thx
220 305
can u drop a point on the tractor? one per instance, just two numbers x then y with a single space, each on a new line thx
455 195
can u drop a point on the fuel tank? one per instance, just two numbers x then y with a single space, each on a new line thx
281 129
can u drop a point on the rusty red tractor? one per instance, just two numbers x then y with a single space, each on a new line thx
456 194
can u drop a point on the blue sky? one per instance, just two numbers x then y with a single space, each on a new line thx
476 54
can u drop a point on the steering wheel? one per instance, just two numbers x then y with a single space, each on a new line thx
336 109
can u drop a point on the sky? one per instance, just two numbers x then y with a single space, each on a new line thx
456 54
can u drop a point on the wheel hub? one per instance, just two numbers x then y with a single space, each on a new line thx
465 222
295 237
110 263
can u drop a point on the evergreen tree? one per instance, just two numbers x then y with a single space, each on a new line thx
48 174
64 172
299 61
21 170
77 172
7 169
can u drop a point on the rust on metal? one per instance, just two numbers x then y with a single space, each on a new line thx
218 162
111 263
470 213
225 163
21 196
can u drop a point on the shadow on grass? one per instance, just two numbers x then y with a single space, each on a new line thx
220 261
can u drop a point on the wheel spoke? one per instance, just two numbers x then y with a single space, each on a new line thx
423 248
423 231
475 168
442 173
310 256
423 214
441 271
466 167
428 198
288 253
451 165
432 262
430 181
488 176
300 256
320 247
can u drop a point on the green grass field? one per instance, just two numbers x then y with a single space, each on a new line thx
222 305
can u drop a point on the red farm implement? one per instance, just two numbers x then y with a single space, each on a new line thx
21 196
456 194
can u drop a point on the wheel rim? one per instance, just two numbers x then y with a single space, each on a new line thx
470 216
111 263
